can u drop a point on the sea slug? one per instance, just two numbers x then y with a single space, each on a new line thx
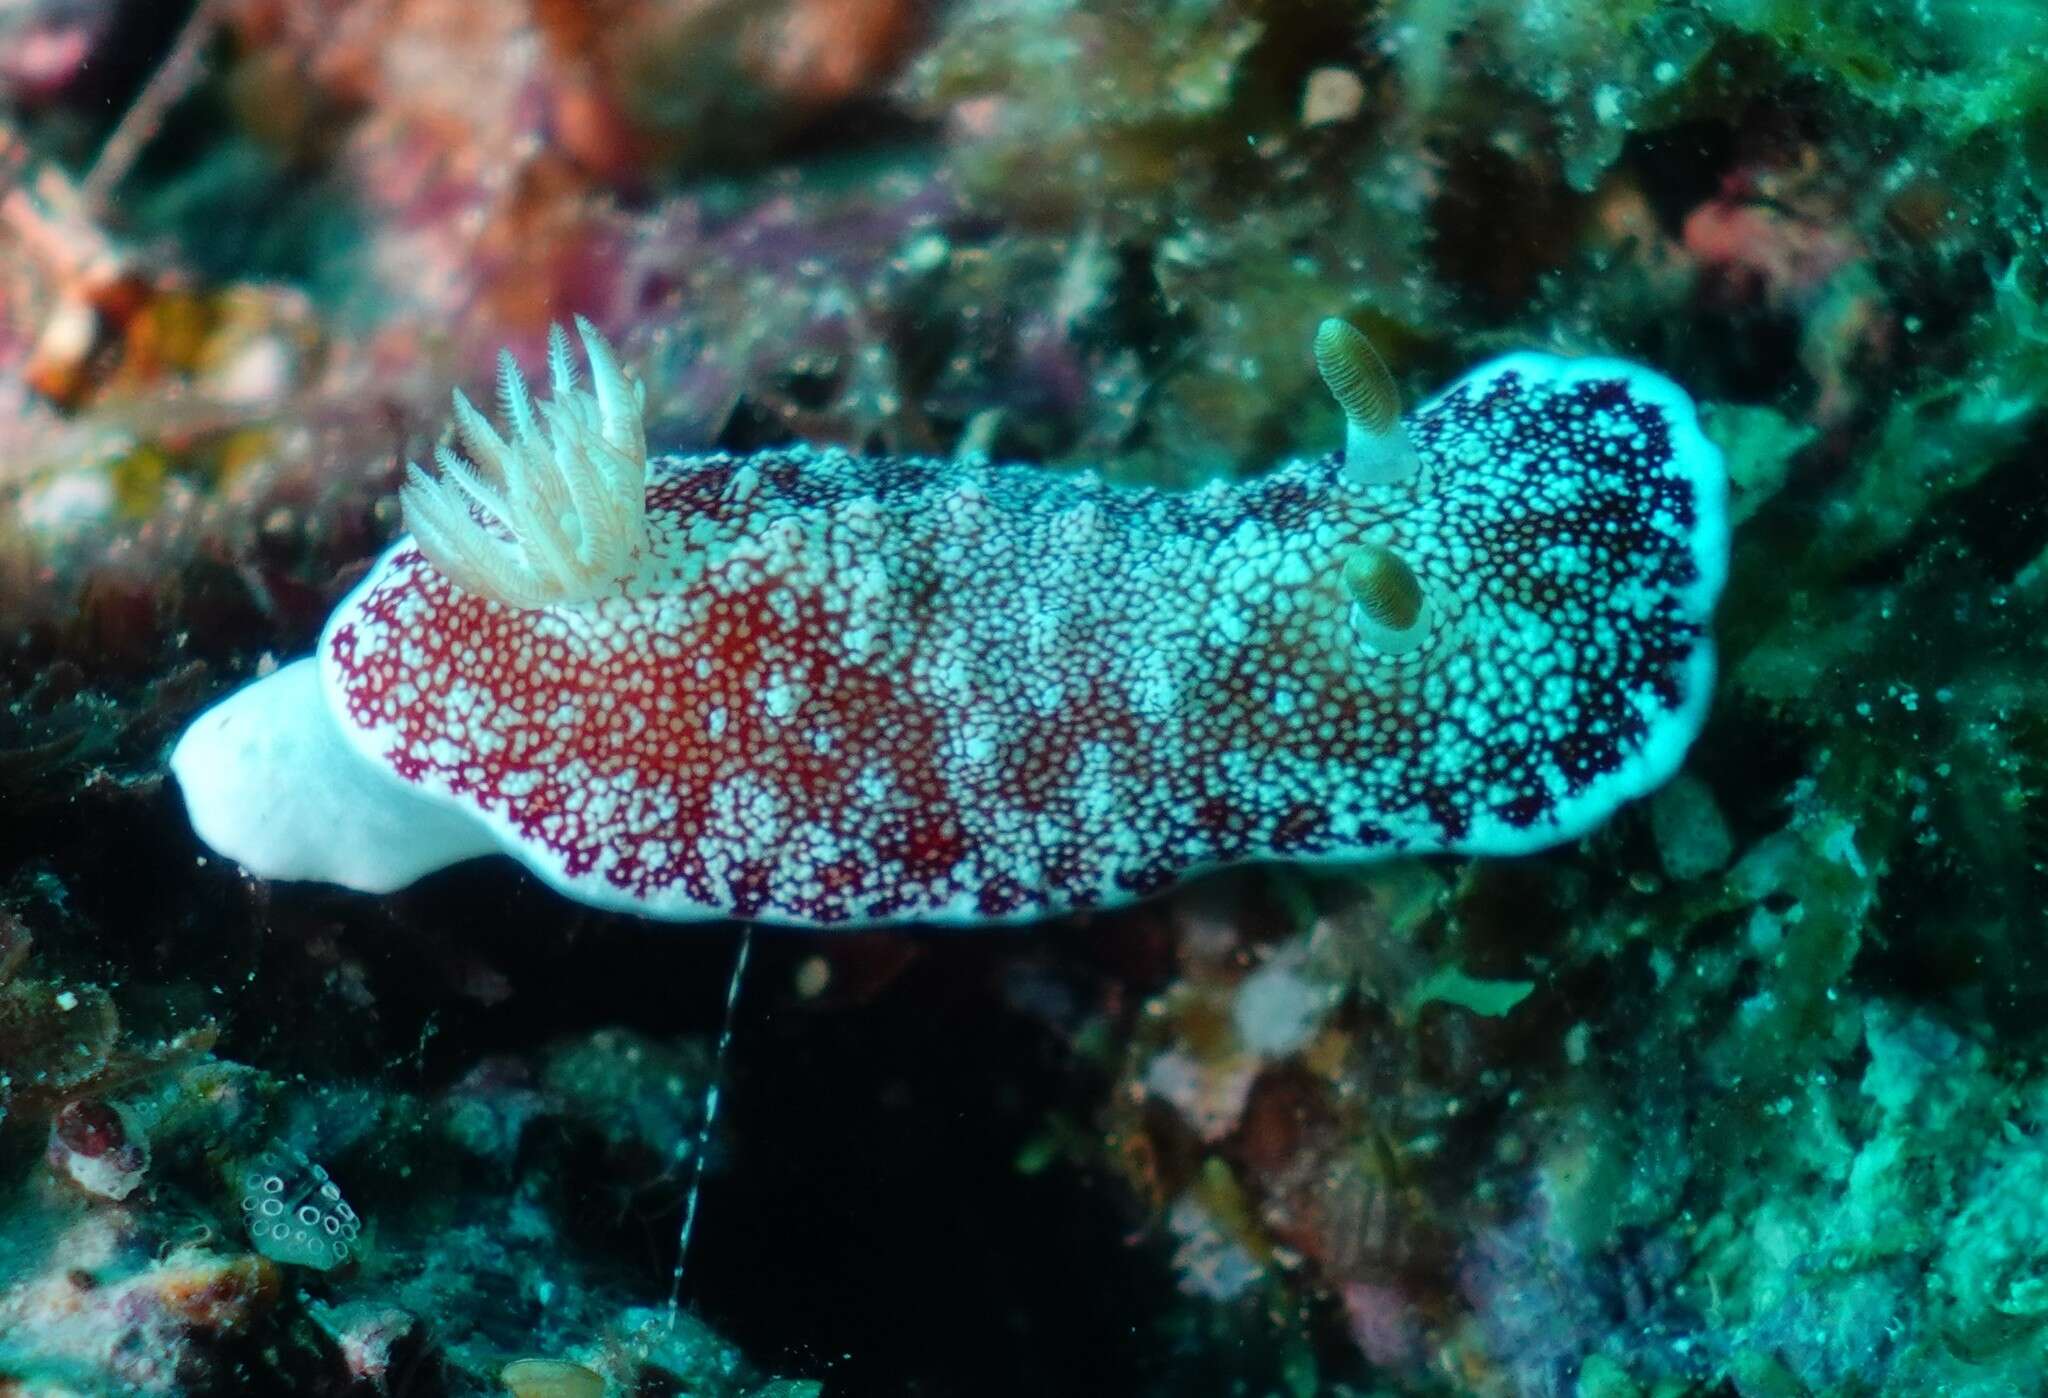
810 687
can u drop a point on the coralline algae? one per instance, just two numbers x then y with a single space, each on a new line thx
815 688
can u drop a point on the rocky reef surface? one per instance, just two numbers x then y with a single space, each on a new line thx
1742 1094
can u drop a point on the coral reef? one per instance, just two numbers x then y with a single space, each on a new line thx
1740 1094
163 1247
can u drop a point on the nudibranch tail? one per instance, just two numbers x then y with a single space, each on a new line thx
1377 450
567 511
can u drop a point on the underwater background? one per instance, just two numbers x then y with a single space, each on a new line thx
1741 1095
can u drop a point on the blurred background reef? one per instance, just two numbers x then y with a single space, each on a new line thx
1741 1096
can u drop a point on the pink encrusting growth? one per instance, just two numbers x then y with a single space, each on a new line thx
832 689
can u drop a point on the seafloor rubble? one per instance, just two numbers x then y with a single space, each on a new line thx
1741 1095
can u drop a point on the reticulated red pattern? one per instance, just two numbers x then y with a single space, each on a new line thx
854 690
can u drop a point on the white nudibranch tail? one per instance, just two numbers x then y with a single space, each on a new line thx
556 514
1377 450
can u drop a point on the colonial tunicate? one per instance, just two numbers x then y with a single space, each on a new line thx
295 1212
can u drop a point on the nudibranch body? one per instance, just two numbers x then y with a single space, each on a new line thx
814 688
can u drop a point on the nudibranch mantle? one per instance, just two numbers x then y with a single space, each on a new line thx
844 690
